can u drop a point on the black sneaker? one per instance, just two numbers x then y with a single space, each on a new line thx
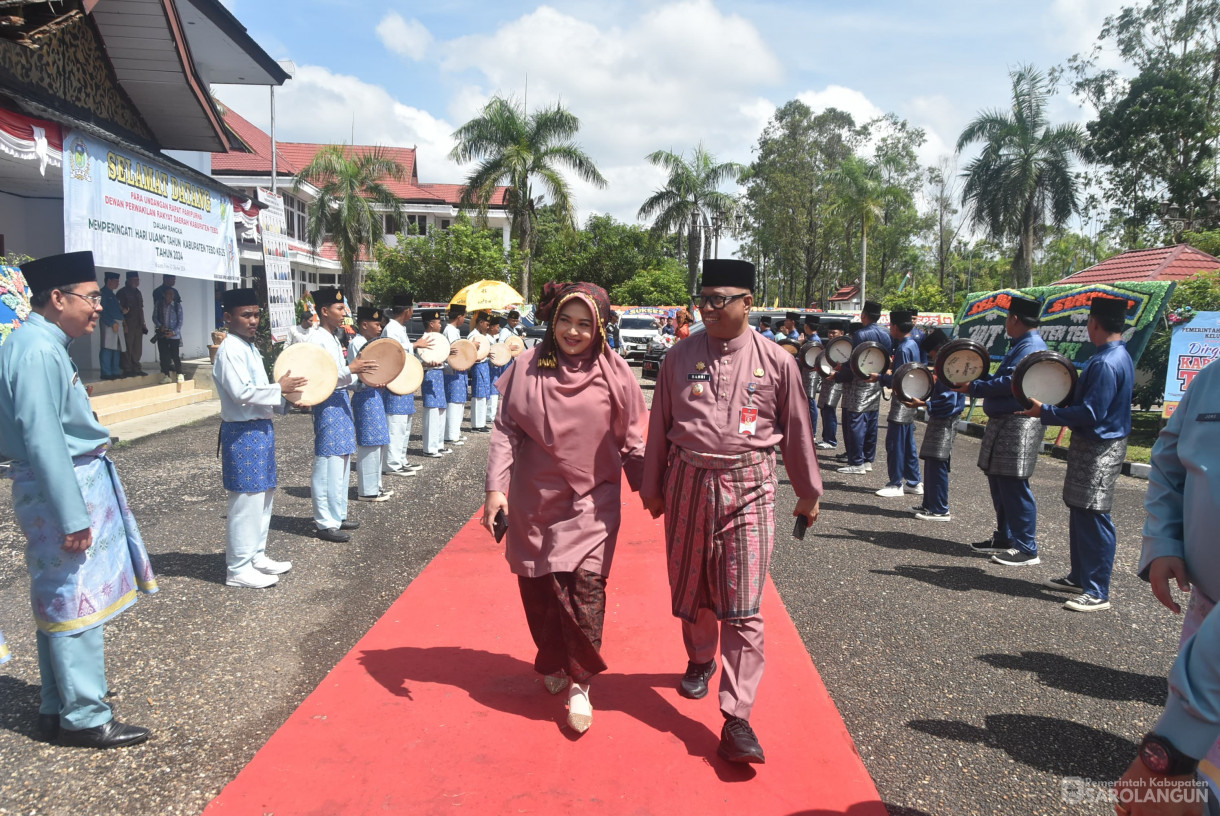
1063 585
333 535
1016 558
738 743
988 547
1085 602
694 682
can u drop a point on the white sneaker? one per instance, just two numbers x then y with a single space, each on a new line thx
165 379
380 497
461 440
251 579
826 446
852 469
403 472
446 450
890 492
268 567
924 515
580 710
414 466
917 490
868 467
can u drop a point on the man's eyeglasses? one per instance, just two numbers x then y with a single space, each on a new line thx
718 302
94 300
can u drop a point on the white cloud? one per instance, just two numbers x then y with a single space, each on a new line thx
407 38
844 99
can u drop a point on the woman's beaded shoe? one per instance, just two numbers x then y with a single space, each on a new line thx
580 710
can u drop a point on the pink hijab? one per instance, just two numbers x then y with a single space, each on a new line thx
587 411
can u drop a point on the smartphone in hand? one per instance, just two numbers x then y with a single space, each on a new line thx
798 530
500 525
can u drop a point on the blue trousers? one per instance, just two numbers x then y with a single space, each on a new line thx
1016 513
73 669
813 416
901 455
110 360
860 436
1092 540
936 486
830 426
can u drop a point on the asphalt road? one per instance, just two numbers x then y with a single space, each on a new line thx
966 687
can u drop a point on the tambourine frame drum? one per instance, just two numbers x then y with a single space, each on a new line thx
912 381
839 350
790 346
499 354
824 365
438 353
484 347
515 345
409 379
390 357
315 364
1046 376
810 354
868 358
962 361
462 355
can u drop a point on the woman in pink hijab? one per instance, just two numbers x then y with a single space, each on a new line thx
571 423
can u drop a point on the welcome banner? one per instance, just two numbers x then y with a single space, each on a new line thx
1193 347
138 214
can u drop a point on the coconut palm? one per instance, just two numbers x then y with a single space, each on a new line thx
862 192
516 149
1023 176
691 200
351 189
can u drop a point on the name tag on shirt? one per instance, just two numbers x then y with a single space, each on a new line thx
704 377
1208 418
749 421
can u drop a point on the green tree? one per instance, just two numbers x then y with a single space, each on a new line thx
900 221
1023 177
664 285
863 194
927 296
437 265
348 208
605 251
691 201
521 151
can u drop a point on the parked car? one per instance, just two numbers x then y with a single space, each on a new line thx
658 348
637 332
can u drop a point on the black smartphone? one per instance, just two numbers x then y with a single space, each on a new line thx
500 525
798 530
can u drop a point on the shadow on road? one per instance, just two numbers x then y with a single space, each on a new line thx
201 566
1084 678
296 525
867 510
899 541
1048 744
965 579
19 703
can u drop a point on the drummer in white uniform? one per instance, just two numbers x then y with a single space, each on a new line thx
480 388
432 392
247 442
399 408
498 333
368 413
457 384
333 427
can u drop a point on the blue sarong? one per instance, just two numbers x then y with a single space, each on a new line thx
334 431
368 408
433 389
398 405
482 380
247 451
72 592
457 388
496 371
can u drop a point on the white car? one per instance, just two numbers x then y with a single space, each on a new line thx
636 333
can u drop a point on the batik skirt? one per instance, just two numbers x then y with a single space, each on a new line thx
247 456
368 410
433 389
399 404
565 611
481 382
334 431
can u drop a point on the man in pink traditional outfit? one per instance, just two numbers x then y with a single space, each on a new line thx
571 422
724 399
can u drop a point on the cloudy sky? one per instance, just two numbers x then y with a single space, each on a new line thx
643 76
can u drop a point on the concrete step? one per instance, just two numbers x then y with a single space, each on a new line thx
155 405
108 403
101 388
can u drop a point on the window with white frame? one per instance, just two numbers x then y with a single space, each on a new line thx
420 222
392 227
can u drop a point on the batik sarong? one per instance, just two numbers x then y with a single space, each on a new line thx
334 431
457 388
71 592
938 438
398 404
861 397
900 414
829 394
565 611
719 530
368 410
247 456
481 383
495 372
433 389
1093 466
1011 445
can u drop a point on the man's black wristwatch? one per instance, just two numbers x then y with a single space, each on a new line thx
1163 759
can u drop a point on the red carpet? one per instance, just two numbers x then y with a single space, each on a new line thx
437 710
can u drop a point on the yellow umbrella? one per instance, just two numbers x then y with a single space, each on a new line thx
487 294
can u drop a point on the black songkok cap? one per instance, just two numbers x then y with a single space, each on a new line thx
1025 307
235 298
496 320
812 320
404 301
873 309
1108 308
112 276
795 317
765 320
428 315
901 316
368 313
456 309
55 271
326 296
854 326
934 340
728 272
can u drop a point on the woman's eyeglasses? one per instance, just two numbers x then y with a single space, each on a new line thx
718 302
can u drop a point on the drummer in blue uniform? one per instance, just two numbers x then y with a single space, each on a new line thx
334 430
944 407
901 455
399 408
1011 444
86 559
830 391
368 413
433 393
457 383
480 380
247 442
1100 418
862 396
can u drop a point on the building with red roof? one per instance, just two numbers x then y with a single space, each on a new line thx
1163 263
847 299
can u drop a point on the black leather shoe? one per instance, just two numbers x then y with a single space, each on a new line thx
113 734
349 524
694 682
333 535
738 743
48 727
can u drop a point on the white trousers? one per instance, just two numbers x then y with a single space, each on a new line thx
395 456
433 430
328 488
368 469
478 412
493 407
454 412
246 529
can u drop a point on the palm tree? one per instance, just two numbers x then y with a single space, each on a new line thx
351 187
1024 173
514 149
861 191
691 200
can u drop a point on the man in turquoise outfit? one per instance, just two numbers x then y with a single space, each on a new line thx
84 552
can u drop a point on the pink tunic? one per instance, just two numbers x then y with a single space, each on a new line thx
701 389
561 519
